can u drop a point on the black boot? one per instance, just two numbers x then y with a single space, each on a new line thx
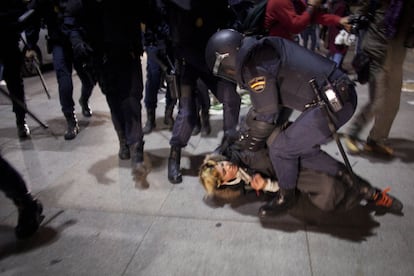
205 122
23 130
150 124
382 202
123 152
30 216
86 109
168 116
174 174
283 200
73 127
139 171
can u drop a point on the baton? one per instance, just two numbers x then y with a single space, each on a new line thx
36 63
332 128
19 103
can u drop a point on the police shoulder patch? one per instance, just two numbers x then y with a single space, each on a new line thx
257 84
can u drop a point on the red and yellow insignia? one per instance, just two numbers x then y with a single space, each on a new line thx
258 84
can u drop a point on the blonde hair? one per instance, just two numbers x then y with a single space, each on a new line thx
211 179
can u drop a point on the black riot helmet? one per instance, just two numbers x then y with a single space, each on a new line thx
221 52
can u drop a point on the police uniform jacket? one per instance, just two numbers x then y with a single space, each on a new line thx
109 24
277 73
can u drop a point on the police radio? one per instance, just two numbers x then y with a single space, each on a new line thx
329 95
332 99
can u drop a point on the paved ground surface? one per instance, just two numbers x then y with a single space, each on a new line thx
99 222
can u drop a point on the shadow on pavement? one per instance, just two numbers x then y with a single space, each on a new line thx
45 236
355 225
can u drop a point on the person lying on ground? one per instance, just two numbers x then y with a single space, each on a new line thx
233 170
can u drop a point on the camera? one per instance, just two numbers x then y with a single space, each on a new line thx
358 22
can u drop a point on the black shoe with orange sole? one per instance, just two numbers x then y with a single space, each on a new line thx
382 202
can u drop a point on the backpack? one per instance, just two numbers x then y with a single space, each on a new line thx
253 23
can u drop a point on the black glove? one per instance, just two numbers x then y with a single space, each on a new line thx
82 51
150 39
229 138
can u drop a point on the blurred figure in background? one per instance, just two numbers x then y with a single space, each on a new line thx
385 42
287 18
337 49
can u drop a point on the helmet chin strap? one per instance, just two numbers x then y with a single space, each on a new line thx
217 63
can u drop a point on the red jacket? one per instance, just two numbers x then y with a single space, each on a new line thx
283 20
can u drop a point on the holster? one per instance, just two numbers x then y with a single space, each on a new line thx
335 94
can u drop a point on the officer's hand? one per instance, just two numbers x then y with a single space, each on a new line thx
315 3
258 182
82 51
150 39
30 54
345 23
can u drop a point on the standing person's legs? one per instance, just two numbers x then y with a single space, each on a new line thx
88 81
391 83
29 209
132 113
305 37
318 36
62 62
12 62
338 58
312 34
121 82
152 86
185 121
367 112
169 109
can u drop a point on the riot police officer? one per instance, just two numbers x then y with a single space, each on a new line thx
159 63
12 59
112 30
277 73
52 12
191 24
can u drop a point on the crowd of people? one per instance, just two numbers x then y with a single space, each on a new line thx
197 48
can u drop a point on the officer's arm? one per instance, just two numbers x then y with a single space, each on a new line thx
33 27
